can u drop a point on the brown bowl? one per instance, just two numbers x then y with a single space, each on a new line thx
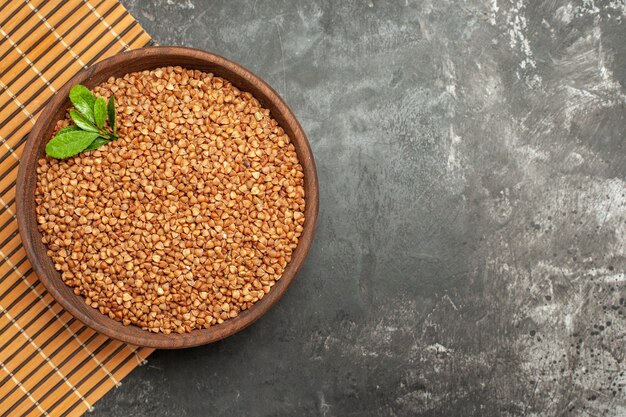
139 60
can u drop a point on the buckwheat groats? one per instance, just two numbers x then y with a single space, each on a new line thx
186 220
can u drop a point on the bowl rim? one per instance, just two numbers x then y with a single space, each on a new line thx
31 237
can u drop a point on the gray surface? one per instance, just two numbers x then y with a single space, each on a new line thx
470 254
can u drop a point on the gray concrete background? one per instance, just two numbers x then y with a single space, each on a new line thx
470 253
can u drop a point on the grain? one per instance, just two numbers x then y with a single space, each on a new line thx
189 218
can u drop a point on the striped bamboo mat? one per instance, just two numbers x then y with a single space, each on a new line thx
51 363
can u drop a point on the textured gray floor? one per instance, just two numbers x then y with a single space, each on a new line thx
470 254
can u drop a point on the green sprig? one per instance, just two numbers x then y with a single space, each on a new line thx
90 114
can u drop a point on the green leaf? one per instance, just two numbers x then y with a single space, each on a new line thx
66 129
96 144
82 122
100 112
83 100
69 143
111 111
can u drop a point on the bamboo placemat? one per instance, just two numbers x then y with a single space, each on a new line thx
51 363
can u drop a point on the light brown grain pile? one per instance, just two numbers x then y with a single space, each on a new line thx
187 219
